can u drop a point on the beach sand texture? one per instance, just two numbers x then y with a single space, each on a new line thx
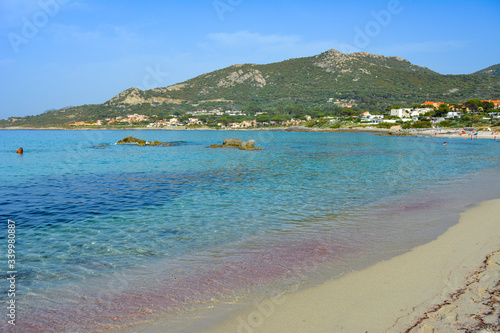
450 284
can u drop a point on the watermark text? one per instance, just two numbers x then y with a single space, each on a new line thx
11 273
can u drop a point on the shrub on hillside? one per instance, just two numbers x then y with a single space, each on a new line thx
422 124
385 125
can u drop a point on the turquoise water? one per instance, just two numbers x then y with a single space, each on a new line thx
107 221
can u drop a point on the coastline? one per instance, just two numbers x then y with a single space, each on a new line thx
184 128
443 133
418 291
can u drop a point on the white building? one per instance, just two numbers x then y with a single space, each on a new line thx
453 114
194 121
235 113
371 119
409 112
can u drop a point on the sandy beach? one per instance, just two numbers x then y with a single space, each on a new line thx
451 133
447 285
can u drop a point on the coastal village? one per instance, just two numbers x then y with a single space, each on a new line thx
394 115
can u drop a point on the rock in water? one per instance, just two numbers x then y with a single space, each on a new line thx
247 145
232 142
140 142
236 143
20 150
131 139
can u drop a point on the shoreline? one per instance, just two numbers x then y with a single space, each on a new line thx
183 128
443 133
418 291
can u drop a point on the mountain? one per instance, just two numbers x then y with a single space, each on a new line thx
490 71
326 81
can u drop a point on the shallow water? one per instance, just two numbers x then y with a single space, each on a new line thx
106 236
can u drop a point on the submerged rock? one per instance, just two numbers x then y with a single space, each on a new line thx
162 144
140 142
217 146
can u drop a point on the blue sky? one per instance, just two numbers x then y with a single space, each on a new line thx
56 53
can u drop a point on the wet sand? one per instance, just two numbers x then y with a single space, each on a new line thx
449 284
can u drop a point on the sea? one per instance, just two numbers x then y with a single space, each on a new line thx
103 237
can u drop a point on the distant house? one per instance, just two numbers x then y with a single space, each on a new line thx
409 112
457 107
78 123
371 119
453 114
433 104
235 113
496 103
248 123
194 121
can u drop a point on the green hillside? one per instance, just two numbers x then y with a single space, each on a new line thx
490 71
322 82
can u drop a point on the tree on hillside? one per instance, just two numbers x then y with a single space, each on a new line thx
473 104
348 112
390 107
295 110
252 110
487 105
442 110
224 120
263 118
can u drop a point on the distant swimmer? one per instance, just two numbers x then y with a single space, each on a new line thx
20 150
444 144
